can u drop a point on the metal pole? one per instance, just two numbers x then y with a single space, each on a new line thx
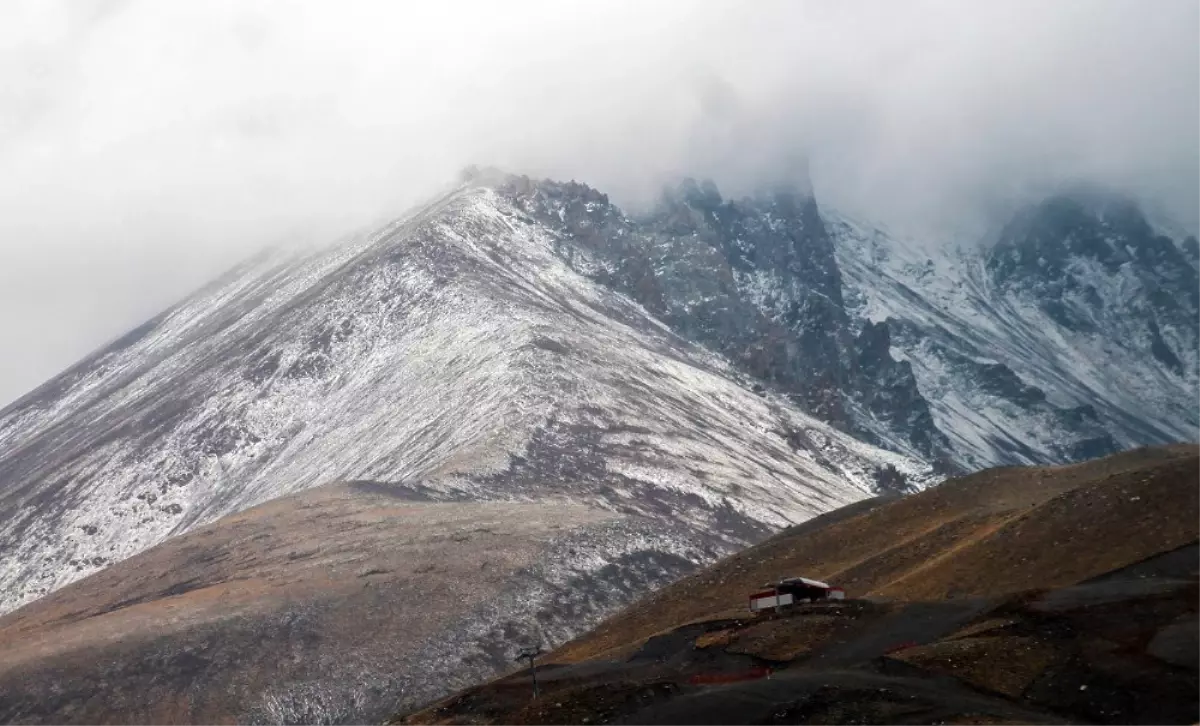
530 654
533 675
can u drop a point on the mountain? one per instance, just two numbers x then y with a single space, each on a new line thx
1072 335
1015 595
756 280
693 377
451 357
455 349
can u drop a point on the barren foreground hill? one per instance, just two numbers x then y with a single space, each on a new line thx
1041 594
323 606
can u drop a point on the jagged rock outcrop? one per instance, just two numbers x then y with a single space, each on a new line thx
1072 335
963 355
754 279
1096 267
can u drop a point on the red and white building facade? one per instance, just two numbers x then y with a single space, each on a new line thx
792 591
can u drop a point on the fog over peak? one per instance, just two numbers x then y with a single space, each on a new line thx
145 146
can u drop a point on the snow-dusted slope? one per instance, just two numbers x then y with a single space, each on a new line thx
1040 347
453 351
755 279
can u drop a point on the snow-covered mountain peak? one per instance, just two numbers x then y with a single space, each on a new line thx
455 350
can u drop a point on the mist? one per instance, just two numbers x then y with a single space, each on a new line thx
147 146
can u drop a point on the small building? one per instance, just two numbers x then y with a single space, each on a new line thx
794 590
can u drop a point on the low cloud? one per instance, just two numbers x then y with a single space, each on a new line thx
145 146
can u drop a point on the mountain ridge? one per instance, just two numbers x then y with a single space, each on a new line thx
436 349
705 373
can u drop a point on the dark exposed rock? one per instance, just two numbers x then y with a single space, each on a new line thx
1191 250
1161 351
755 279
1078 302
1057 252
889 479
888 390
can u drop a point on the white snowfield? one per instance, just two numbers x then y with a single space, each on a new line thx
451 352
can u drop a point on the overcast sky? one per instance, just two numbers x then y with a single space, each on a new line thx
146 146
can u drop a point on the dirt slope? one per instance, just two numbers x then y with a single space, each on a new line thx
1010 596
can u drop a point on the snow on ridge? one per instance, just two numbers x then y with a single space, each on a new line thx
949 303
432 351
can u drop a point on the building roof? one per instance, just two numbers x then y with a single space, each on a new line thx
803 581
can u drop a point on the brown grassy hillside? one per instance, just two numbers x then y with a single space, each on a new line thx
331 593
998 531
1020 595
